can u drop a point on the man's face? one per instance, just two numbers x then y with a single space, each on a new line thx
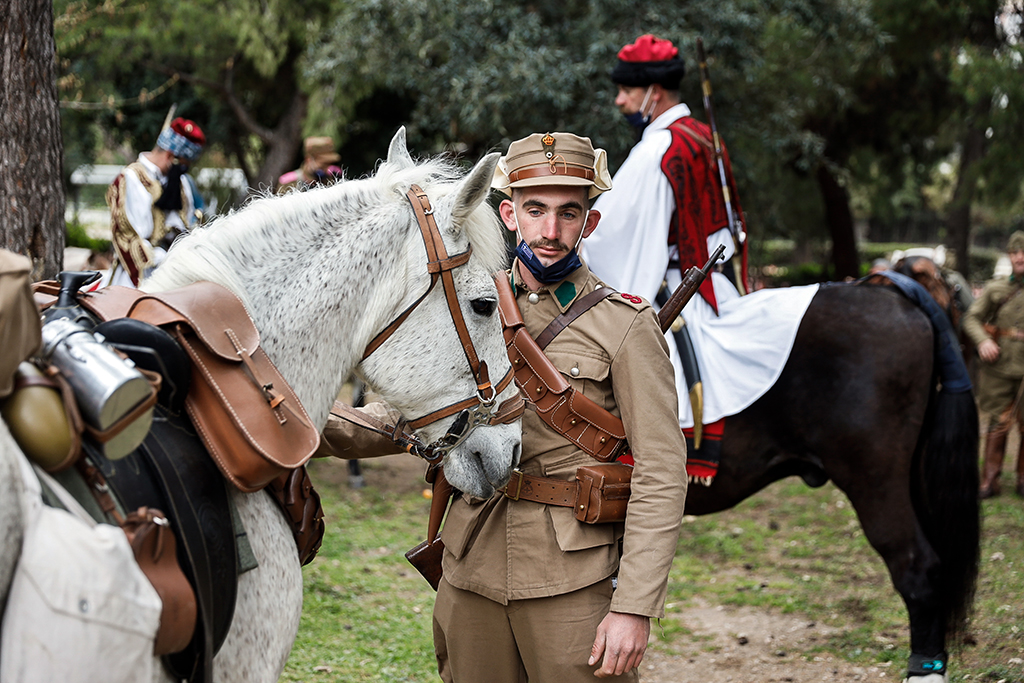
630 99
551 219
1017 263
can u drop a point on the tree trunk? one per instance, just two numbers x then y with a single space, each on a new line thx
283 146
31 149
958 220
840 224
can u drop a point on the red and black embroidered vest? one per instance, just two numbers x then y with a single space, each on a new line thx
689 165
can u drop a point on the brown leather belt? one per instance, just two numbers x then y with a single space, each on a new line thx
1005 332
540 490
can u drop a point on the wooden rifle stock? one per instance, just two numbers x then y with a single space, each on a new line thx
687 288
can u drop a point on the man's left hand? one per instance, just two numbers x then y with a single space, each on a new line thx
621 640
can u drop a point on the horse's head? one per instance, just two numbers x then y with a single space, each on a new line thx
442 361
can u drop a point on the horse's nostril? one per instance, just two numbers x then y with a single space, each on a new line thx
517 452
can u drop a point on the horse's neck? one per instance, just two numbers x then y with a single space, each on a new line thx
316 318
317 338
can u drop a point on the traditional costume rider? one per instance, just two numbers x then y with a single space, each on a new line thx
665 214
151 201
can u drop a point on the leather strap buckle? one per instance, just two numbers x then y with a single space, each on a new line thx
518 485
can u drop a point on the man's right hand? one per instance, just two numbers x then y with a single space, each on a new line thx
988 351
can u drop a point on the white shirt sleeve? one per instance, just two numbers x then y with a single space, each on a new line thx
138 205
629 248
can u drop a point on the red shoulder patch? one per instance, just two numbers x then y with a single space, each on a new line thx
632 298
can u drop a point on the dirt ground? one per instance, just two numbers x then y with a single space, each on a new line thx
728 645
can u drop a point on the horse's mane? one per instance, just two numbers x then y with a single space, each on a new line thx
300 221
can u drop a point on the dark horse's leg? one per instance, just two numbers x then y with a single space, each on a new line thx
855 404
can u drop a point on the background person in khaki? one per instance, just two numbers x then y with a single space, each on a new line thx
528 592
995 323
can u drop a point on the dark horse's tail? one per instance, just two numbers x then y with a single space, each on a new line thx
945 468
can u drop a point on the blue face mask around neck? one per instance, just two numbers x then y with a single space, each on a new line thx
558 270
547 275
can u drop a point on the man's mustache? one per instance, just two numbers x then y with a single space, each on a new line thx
542 242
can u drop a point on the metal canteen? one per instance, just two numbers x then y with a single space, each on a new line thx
106 386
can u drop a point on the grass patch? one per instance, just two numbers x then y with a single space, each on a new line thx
788 550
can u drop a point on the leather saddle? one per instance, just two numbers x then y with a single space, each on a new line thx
172 471
155 474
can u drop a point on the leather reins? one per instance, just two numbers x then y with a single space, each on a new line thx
476 410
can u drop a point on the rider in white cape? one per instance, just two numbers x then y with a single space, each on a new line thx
741 349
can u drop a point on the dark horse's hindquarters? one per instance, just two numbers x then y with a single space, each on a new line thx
857 403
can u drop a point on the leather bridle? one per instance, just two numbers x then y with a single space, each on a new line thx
476 410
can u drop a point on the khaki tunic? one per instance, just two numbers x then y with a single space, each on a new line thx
512 550
1001 304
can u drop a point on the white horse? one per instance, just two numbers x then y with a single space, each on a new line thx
321 273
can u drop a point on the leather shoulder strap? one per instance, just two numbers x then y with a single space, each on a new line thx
508 309
578 308
596 431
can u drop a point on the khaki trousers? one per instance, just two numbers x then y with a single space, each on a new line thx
541 640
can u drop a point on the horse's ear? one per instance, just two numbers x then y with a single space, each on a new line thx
475 187
398 153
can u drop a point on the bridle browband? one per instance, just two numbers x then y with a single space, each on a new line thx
476 410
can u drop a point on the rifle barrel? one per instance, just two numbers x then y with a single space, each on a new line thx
692 281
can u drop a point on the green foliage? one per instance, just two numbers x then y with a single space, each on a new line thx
878 92
78 237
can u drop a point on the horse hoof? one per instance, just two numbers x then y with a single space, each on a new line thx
930 678
1020 489
356 482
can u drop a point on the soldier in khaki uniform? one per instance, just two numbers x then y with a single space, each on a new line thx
529 593
995 323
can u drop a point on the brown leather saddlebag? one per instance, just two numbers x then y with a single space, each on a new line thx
249 418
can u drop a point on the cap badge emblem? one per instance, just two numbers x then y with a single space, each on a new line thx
549 143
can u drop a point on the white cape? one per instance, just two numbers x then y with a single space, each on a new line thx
742 351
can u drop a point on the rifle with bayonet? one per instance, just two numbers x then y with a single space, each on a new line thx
692 281
739 236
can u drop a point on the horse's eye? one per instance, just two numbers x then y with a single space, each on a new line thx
484 306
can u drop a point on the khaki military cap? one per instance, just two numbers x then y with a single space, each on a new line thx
1016 242
553 159
321 149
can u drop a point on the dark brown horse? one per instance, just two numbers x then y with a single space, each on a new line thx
859 403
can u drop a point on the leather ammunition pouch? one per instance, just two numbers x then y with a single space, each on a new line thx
598 495
602 493
300 503
592 428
